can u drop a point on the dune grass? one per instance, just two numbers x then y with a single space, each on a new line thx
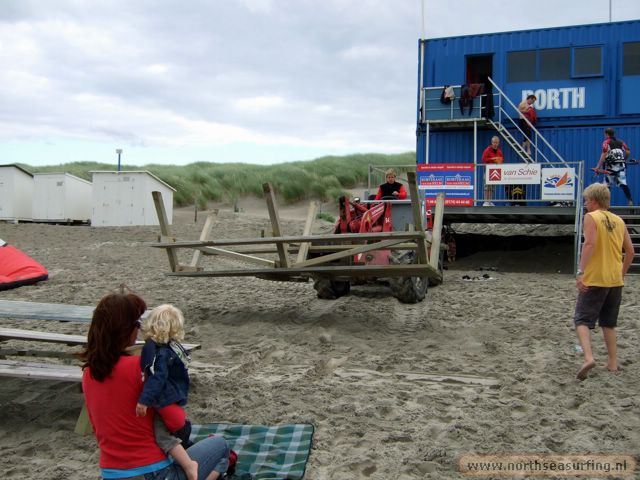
323 179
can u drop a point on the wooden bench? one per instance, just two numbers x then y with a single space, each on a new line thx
50 371
63 338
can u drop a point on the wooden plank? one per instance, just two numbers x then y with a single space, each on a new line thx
237 256
204 235
350 271
347 253
165 229
421 252
40 371
308 227
313 239
436 236
45 311
38 336
275 223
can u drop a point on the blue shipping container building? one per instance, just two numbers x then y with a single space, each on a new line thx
586 78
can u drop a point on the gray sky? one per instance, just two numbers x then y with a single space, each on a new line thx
259 81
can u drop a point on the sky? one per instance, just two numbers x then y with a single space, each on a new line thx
255 81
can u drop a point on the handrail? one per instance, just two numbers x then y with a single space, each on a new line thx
534 129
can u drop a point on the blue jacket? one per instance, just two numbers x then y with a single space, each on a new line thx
166 376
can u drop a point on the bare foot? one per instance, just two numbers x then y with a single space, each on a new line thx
584 369
615 370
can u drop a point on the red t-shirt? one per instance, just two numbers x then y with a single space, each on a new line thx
489 153
125 441
607 141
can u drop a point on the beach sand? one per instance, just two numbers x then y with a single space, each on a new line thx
394 391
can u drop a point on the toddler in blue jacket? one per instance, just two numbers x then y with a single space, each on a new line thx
164 363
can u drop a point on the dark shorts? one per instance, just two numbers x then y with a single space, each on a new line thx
526 129
600 304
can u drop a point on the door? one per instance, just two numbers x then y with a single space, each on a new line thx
479 68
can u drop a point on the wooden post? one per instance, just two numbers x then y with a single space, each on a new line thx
165 230
204 235
421 251
83 424
436 236
275 223
304 246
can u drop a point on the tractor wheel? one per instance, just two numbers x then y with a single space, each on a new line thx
407 289
331 289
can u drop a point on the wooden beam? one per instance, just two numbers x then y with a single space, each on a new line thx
237 256
275 223
436 236
422 256
308 226
347 271
83 424
165 229
313 239
204 235
348 253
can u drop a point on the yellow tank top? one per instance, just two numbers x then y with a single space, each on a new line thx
604 268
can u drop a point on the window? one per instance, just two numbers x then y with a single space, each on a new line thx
587 61
555 64
631 59
521 66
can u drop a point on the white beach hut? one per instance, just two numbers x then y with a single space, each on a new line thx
124 198
16 193
61 197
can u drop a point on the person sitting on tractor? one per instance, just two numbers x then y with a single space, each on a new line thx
613 162
391 190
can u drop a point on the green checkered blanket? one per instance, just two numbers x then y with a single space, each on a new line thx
276 452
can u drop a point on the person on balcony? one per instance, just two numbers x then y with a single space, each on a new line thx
491 155
391 190
528 118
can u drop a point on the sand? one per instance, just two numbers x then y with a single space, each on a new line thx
394 391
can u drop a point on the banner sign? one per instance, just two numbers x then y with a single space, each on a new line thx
512 174
454 179
558 184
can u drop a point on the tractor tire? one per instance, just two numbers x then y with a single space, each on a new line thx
331 289
407 289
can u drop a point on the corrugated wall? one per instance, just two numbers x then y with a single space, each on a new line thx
572 143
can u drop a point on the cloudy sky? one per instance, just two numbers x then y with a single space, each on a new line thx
258 81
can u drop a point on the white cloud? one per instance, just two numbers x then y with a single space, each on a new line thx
331 75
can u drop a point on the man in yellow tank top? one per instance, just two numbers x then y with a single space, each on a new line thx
600 276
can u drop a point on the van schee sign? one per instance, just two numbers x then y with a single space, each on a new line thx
558 184
513 174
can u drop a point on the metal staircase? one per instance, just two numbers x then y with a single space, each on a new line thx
511 141
631 217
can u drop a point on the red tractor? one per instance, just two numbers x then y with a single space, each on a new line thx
370 217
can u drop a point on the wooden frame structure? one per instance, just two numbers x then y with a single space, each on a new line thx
331 254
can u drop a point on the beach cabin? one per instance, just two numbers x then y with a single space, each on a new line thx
586 78
61 197
124 198
16 192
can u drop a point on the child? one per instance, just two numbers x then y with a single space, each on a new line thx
164 363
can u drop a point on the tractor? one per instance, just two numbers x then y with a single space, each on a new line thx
373 216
